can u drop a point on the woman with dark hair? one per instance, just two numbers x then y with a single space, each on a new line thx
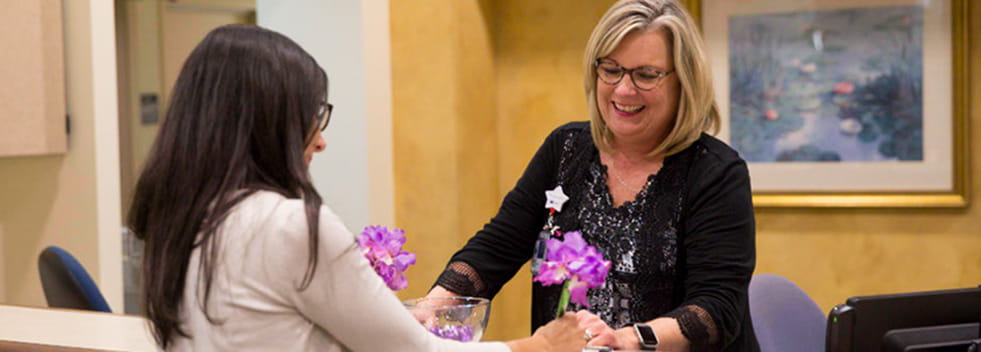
240 252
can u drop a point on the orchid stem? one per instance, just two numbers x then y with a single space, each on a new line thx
563 300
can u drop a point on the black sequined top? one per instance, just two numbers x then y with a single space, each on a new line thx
683 248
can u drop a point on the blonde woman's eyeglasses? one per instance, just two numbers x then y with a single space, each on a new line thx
644 77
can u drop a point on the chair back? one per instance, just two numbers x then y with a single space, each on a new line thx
784 317
66 283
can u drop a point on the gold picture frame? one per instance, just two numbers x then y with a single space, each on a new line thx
957 196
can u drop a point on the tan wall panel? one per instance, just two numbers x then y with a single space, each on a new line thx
181 29
424 74
444 134
3 281
477 140
55 136
32 98
234 5
125 108
539 48
476 111
51 200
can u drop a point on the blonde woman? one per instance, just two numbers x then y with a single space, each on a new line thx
666 202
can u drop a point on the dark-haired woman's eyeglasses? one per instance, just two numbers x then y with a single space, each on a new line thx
324 113
644 77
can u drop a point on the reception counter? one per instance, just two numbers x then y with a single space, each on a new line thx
48 329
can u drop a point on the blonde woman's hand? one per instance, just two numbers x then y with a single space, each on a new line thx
440 292
602 334
425 316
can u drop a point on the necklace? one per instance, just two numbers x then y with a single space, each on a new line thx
619 179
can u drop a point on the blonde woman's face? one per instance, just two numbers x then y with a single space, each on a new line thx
633 114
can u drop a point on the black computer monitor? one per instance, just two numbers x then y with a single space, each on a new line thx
945 320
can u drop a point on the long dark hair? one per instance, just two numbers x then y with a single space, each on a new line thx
240 116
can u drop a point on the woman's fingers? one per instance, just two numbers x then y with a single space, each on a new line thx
599 333
602 340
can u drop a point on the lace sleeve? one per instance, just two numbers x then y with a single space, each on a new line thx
697 326
462 279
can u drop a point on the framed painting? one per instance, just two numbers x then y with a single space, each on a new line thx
843 103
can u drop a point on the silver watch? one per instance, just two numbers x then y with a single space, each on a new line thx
646 336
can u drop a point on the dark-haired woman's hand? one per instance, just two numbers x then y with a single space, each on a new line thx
559 335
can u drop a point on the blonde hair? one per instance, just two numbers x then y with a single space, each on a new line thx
697 110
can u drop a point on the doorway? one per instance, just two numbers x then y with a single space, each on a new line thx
153 38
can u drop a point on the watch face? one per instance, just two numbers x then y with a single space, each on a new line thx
646 335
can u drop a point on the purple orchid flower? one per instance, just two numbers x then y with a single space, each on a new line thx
462 333
383 248
574 263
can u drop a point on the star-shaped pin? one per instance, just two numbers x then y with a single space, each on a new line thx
555 199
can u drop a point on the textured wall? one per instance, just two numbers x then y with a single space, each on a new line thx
535 82
443 129
423 133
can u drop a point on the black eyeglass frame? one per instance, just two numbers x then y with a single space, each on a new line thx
325 111
658 75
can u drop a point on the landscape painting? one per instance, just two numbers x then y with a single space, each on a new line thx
834 86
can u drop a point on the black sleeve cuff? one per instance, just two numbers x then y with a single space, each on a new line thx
693 328
462 279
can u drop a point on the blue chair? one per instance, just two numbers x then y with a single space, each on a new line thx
784 317
66 283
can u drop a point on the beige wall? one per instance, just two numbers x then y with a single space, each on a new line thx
377 40
3 272
34 79
59 199
183 25
539 48
443 129
444 136
532 71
